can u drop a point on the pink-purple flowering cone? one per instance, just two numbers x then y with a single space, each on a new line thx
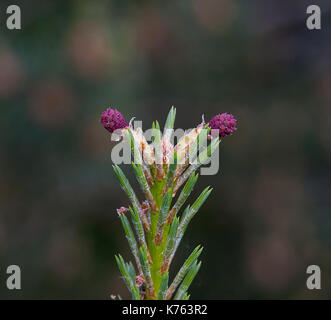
225 123
112 120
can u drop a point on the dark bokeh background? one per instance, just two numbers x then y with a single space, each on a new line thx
269 215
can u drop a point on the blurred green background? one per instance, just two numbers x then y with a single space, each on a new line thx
269 215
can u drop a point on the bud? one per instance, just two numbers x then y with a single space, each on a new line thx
185 143
167 149
122 210
112 120
225 123
140 280
146 149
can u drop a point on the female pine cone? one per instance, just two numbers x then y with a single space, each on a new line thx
225 123
112 120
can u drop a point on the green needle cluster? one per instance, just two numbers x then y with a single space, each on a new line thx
154 226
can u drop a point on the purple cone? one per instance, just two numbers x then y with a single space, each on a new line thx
225 123
112 120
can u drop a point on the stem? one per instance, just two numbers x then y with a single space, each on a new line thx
156 251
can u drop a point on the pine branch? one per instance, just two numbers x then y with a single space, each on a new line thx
177 239
144 186
146 271
127 278
180 294
166 202
187 217
183 196
171 172
171 245
183 271
138 157
131 239
169 124
161 169
164 286
139 230
193 150
127 187
203 158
